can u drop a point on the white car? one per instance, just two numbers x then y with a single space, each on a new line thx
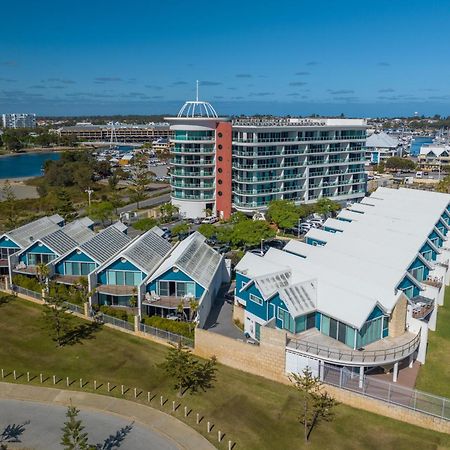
212 219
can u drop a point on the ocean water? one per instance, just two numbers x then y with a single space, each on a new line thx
417 142
24 164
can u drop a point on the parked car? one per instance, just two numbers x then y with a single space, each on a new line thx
212 241
167 233
276 243
197 221
211 219
222 249
173 317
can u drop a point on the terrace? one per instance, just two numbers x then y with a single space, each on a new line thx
115 289
382 352
421 306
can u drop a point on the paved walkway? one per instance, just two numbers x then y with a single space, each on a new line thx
220 319
167 432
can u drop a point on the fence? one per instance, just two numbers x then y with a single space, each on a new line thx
166 335
388 392
117 322
28 292
154 399
74 308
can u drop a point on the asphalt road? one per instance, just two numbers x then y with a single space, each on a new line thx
164 198
42 425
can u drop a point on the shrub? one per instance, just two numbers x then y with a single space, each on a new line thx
183 328
145 224
115 312
30 283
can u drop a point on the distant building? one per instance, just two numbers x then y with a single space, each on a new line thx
432 157
116 132
19 120
380 147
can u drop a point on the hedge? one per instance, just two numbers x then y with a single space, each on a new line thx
183 328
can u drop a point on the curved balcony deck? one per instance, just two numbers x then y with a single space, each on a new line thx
385 351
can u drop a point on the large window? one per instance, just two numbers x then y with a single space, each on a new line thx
417 273
176 288
40 258
286 320
370 332
122 278
5 252
78 268
338 330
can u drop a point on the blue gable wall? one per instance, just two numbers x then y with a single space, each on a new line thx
35 248
417 264
260 311
343 219
240 281
118 265
312 241
426 248
8 243
171 275
433 235
331 230
446 217
406 283
377 312
72 257
440 225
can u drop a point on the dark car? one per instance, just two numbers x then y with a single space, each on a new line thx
276 243
222 249
212 241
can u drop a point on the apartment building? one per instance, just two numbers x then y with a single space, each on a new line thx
19 120
220 164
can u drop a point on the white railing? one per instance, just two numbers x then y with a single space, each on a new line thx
356 356
392 393
166 335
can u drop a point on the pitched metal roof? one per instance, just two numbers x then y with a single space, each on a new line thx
195 258
30 232
59 242
105 244
381 140
79 230
147 251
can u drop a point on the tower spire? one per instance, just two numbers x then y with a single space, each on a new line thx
196 97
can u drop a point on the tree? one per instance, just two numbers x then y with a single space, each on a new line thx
140 179
145 224
237 217
397 163
189 373
168 211
56 315
74 437
181 228
250 233
102 211
12 141
326 207
42 274
207 229
64 205
315 404
283 213
9 197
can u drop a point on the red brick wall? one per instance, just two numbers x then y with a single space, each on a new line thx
223 169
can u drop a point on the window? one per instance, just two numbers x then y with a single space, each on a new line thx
220 135
219 170
417 273
256 299
220 146
176 288
286 319
219 193
40 258
164 288
428 255
219 181
5 252
121 278
333 328
220 158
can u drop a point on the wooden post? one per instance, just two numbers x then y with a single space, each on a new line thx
230 445
185 411
3 374
208 426
95 385
148 396
28 377
81 382
198 418
14 374
121 388
54 379
161 400
219 435
173 405
40 377
135 392
67 382
108 387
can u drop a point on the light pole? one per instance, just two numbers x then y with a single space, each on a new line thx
89 192
262 251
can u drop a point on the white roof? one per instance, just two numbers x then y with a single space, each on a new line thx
361 266
435 150
381 140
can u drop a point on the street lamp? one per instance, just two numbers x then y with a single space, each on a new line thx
262 251
89 192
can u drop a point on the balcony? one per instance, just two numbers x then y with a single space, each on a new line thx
68 279
384 351
115 289
165 302
433 281
26 270
421 306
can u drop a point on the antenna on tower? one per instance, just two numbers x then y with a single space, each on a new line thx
196 97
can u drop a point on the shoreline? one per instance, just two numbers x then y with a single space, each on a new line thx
16 180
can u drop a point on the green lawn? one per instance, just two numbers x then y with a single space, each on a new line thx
434 375
256 413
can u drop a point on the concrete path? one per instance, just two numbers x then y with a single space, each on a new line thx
45 408
220 319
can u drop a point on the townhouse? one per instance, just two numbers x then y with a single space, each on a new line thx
362 292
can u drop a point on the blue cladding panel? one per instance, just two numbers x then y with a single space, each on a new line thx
171 275
7 243
119 265
377 312
241 280
312 241
253 307
40 248
78 257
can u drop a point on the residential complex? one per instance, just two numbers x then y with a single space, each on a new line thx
219 164
19 120
380 147
433 157
361 292
116 132
158 276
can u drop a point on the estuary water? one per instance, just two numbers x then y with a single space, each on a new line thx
24 164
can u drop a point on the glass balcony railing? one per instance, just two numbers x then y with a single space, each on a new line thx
188 173
300 139
193 150
200 196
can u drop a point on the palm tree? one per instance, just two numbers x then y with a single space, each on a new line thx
43 273
193 308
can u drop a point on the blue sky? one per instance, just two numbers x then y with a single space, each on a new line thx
362 58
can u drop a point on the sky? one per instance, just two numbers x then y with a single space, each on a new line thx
361 58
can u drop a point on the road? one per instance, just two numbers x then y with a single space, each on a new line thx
42 425
41 411
164 198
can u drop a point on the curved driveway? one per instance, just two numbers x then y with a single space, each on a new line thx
42 411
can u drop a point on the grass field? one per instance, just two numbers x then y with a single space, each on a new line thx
434 375
256 413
